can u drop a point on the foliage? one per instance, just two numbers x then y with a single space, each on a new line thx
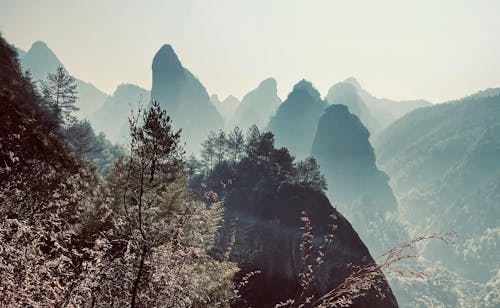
254 159
59 94
69 238
160 239
445 159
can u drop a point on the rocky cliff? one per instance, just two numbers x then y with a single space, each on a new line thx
184 98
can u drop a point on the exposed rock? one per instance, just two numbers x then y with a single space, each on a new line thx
268 238
184 98
355 185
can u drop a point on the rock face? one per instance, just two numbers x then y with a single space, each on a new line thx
184 98
355 185
112 117
296 120
347 94
268 236
41 60
257 106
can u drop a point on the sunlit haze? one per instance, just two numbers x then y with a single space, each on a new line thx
436 50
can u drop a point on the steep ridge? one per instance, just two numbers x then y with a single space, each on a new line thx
184 98
257 106
227 107
444 164
383 109
268 237
41 60
112 117
265 193
294 124
355 185
347 94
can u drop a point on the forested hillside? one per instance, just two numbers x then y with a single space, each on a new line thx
88 224
265 192
70 238
444 165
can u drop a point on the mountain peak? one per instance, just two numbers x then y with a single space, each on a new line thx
231 100
307 86
39 44
40 59
166 58
354 82
268 83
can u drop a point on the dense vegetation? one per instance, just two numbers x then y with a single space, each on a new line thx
72 238
89 222
444 164
265 192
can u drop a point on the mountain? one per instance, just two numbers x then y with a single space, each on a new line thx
355 185
265 195
347 94
383 109
184 98
90 98
227 107
112 117
19 52
41 60
268 237
444 165
296 120
33 153
257 106
485 93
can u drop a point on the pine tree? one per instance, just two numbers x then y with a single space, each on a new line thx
59 94
236 143
160 236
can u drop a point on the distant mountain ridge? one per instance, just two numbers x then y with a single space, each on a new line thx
294 124
184 98
345 93
112 117
355 185
41 60
226 107
444 164
258 106
384 110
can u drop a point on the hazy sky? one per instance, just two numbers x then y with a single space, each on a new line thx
434 49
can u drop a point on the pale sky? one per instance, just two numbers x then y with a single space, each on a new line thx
432 49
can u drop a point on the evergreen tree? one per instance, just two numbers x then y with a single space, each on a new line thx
236 143
160 237
60 95
208 150
220 146
308 173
